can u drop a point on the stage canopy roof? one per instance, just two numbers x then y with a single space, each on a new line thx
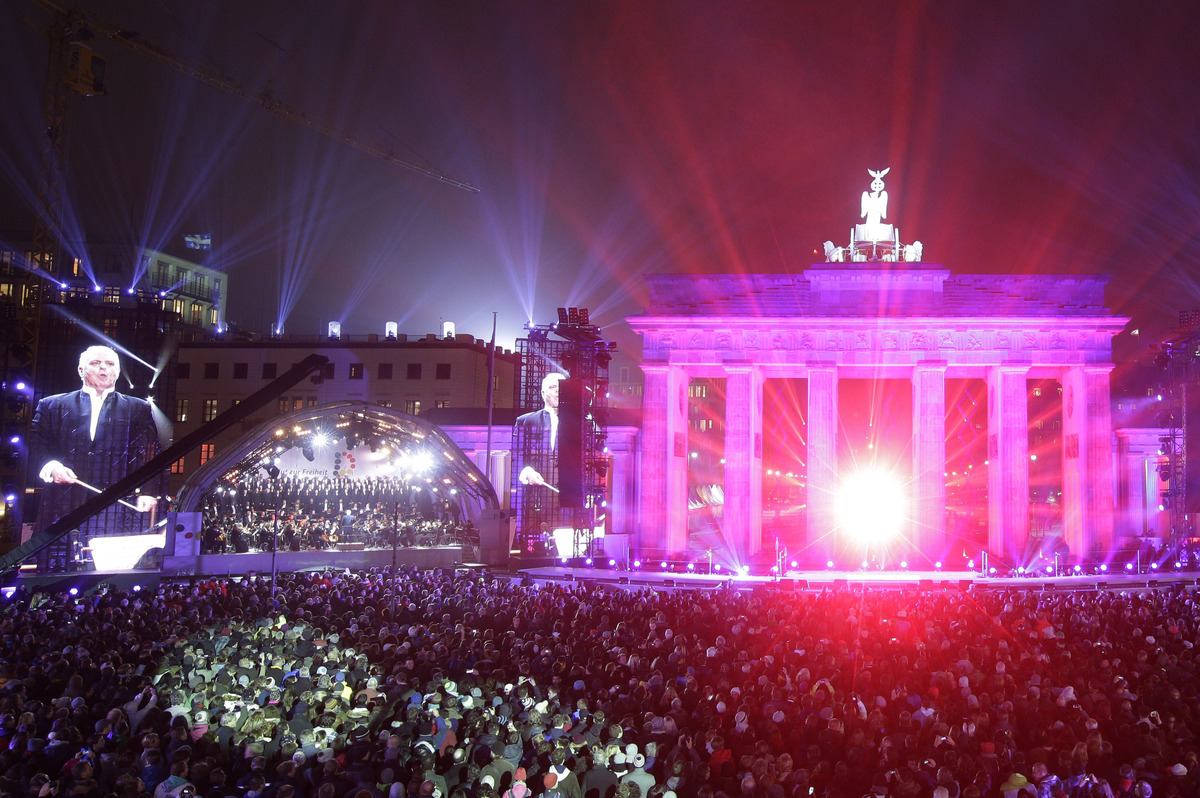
353 440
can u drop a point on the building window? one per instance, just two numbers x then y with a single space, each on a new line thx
385 402
210 409
183 371
356 371
206 452
212 316
241 371
327 371
282 405
443 371
310 401
111 328
697 391
197 314
212 371
269 370
298 403
385 371
441 403
181 410
177 307
412 406
414 371
177 466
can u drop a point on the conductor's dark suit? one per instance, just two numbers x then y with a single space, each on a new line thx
126 437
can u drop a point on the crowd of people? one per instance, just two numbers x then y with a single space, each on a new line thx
324 512
467 685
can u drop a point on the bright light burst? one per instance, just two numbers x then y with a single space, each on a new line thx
871 507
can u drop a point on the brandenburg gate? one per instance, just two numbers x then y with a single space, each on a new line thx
876 310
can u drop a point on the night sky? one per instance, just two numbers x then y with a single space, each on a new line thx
615 139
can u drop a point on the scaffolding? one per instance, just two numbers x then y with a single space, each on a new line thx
1179 362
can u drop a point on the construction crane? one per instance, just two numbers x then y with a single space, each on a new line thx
82 69
74 67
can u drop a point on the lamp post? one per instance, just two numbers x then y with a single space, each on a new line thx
273 473
395 547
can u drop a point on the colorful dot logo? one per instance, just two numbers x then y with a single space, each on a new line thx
343 464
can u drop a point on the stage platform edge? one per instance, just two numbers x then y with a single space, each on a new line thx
881 580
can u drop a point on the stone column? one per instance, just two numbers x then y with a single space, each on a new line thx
1008 463
822 460
1088 486
743 459
928 509
663 502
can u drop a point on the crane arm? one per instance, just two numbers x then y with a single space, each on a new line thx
263 98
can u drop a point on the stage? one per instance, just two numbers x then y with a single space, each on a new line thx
859 580
175 568
422 557
428 558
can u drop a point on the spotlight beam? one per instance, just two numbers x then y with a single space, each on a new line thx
108 341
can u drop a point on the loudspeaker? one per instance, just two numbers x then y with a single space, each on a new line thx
570 443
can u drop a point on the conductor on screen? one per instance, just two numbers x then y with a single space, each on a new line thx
88 439
540 430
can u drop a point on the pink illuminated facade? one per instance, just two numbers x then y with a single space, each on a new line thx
909 321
